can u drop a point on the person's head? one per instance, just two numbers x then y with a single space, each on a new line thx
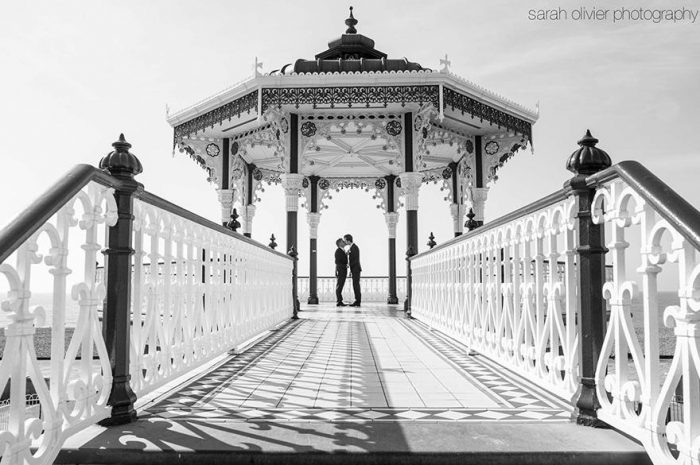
348 238
340 243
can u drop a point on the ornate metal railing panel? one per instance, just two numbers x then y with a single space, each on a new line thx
636 395
52 399
373 288
493 291
212 292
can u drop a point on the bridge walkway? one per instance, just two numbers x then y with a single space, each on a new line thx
364 385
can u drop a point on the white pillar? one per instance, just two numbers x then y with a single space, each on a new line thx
292 184
392 219
479 195
313 219
226 201
457 211
410 183
248 215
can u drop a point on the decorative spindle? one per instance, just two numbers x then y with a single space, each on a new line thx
120 162
272 243
471 224
431 240
295 297
351 22
588 159
233 225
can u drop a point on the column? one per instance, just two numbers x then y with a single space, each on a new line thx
392 219
248 215
313 218
411 182
479 195
457 211
226 201
292 184
248 210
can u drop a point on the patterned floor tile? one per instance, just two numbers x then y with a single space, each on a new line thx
365 366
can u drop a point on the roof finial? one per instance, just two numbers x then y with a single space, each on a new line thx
350 23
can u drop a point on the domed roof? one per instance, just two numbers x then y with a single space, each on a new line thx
353 52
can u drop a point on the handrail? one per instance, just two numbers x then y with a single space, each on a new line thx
552 198
363 277
671 206
179 211
39 211
33 217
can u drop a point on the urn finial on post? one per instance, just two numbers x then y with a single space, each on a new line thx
120 162
431 240
588 159
233 224
351 22
471 224
272 243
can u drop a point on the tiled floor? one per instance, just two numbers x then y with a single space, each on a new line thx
360 364
352 383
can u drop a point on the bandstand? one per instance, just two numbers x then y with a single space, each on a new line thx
353 118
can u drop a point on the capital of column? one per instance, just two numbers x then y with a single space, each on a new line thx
293 185
313 219
457 211
478 195
392 219
249 214
226 201
410 183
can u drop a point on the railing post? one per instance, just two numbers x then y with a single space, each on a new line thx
295 299
116 322
591 274
407 303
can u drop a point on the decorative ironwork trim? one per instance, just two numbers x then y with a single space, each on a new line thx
465 104
349 96
244 104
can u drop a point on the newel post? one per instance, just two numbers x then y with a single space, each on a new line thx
585 161
409 280
295 298
116 321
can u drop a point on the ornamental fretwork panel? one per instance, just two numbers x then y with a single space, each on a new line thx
465 104
245 104
348 97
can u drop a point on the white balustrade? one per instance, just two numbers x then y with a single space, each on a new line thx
209 293
493 292
635 396
72 387
373 288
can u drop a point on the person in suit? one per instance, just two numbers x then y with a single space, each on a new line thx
355 269
341 271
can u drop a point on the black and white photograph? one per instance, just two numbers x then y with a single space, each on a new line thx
371 232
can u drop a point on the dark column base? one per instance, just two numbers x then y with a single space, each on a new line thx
291 230
313 272
411 250
247 234
121 399
588 405
457 234
392 299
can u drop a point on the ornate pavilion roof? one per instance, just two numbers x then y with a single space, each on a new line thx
351 101
353 52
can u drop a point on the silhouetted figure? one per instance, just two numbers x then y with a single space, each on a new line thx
341 271
355 269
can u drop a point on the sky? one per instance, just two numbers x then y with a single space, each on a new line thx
76 74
